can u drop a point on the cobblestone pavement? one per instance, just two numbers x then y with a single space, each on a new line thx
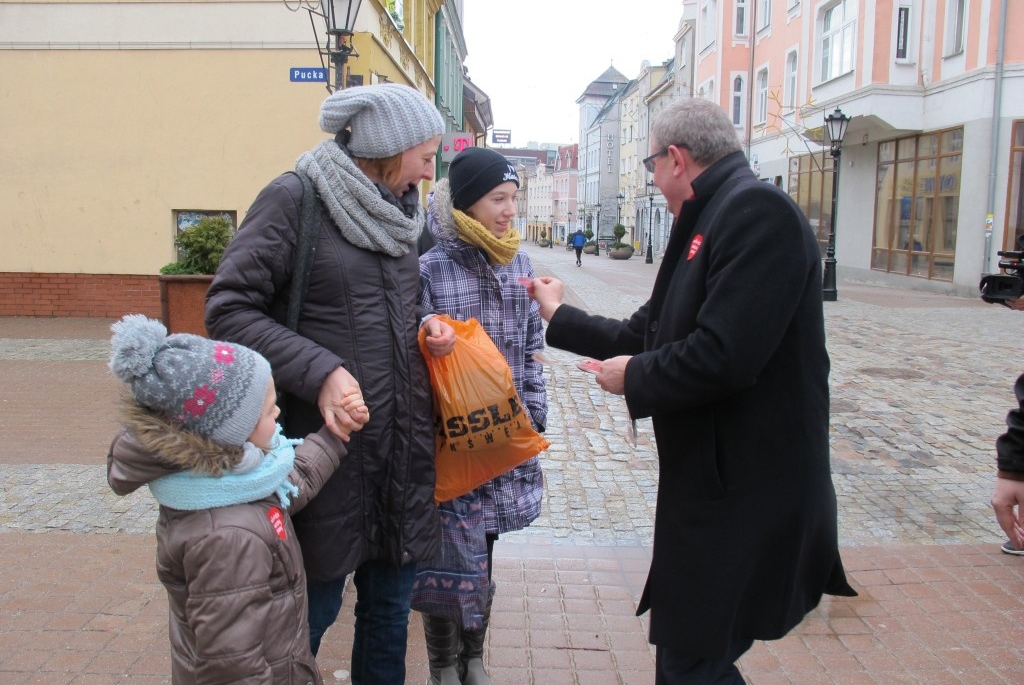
920 387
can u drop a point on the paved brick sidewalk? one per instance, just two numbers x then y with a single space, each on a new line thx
920 383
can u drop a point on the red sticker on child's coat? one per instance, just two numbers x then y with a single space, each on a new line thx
694 246
277 521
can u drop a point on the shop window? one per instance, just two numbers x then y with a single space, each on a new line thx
917 202
1015 193
810 185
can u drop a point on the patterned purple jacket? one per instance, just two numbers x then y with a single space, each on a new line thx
457 280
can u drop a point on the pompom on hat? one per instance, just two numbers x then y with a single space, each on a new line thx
214 389
385 119
476 171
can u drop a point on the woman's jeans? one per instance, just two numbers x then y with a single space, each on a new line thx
382 619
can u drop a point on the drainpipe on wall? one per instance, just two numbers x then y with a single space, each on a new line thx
994 150
750 78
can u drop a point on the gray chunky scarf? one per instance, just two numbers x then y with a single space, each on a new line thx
364 218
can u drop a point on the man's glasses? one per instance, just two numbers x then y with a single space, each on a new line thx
649 161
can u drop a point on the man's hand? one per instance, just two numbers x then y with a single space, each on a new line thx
548 293
1008 502
335 404
1017 304
440 337
612 376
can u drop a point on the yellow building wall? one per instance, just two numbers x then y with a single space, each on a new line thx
101 144
100 147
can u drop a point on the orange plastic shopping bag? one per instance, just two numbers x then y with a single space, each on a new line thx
482 427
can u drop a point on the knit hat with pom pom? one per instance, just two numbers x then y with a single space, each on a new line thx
214 389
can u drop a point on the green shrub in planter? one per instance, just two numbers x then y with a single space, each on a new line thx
619 230
202 246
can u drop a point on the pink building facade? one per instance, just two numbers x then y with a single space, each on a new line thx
930 179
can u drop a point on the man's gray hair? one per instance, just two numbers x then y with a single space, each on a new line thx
700 126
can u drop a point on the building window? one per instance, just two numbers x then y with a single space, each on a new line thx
708 22
764 14
1015 193
917 203
761 115
838 31
790 90
740 29
738 101
902 32
810 185
956 11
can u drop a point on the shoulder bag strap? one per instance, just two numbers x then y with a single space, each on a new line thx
305 247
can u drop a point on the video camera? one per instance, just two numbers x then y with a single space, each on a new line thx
1009 285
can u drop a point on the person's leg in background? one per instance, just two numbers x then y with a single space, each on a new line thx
324 600
382 622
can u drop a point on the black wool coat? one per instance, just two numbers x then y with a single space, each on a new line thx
730 363
362 312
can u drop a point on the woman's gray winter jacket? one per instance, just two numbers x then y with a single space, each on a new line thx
362 312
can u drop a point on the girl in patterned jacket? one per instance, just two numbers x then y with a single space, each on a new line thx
473 271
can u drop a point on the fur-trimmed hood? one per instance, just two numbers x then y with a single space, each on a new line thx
440 221
151 446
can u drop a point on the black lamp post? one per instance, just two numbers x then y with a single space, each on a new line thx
835 128
551 243
649 259
341 19
597 232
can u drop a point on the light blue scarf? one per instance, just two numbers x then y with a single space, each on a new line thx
256 477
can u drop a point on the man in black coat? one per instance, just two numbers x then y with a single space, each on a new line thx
728 358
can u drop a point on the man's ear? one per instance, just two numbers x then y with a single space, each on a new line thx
680 159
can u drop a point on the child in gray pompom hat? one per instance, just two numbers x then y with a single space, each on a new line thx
200 431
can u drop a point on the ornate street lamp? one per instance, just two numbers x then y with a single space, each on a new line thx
340 19
835 128
597 232
649 259
551 221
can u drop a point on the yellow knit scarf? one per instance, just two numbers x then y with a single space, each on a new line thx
499 250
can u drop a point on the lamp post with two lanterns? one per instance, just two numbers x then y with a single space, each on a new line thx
835 127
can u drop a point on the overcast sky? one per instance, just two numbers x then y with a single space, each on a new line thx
559 46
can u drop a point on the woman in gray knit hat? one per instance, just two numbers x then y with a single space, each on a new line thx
358 326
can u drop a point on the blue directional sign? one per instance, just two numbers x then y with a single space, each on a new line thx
307 75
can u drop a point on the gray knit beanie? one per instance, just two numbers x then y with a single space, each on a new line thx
214 389
385 119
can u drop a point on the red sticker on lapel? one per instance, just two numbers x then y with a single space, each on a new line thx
694 246
277 521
